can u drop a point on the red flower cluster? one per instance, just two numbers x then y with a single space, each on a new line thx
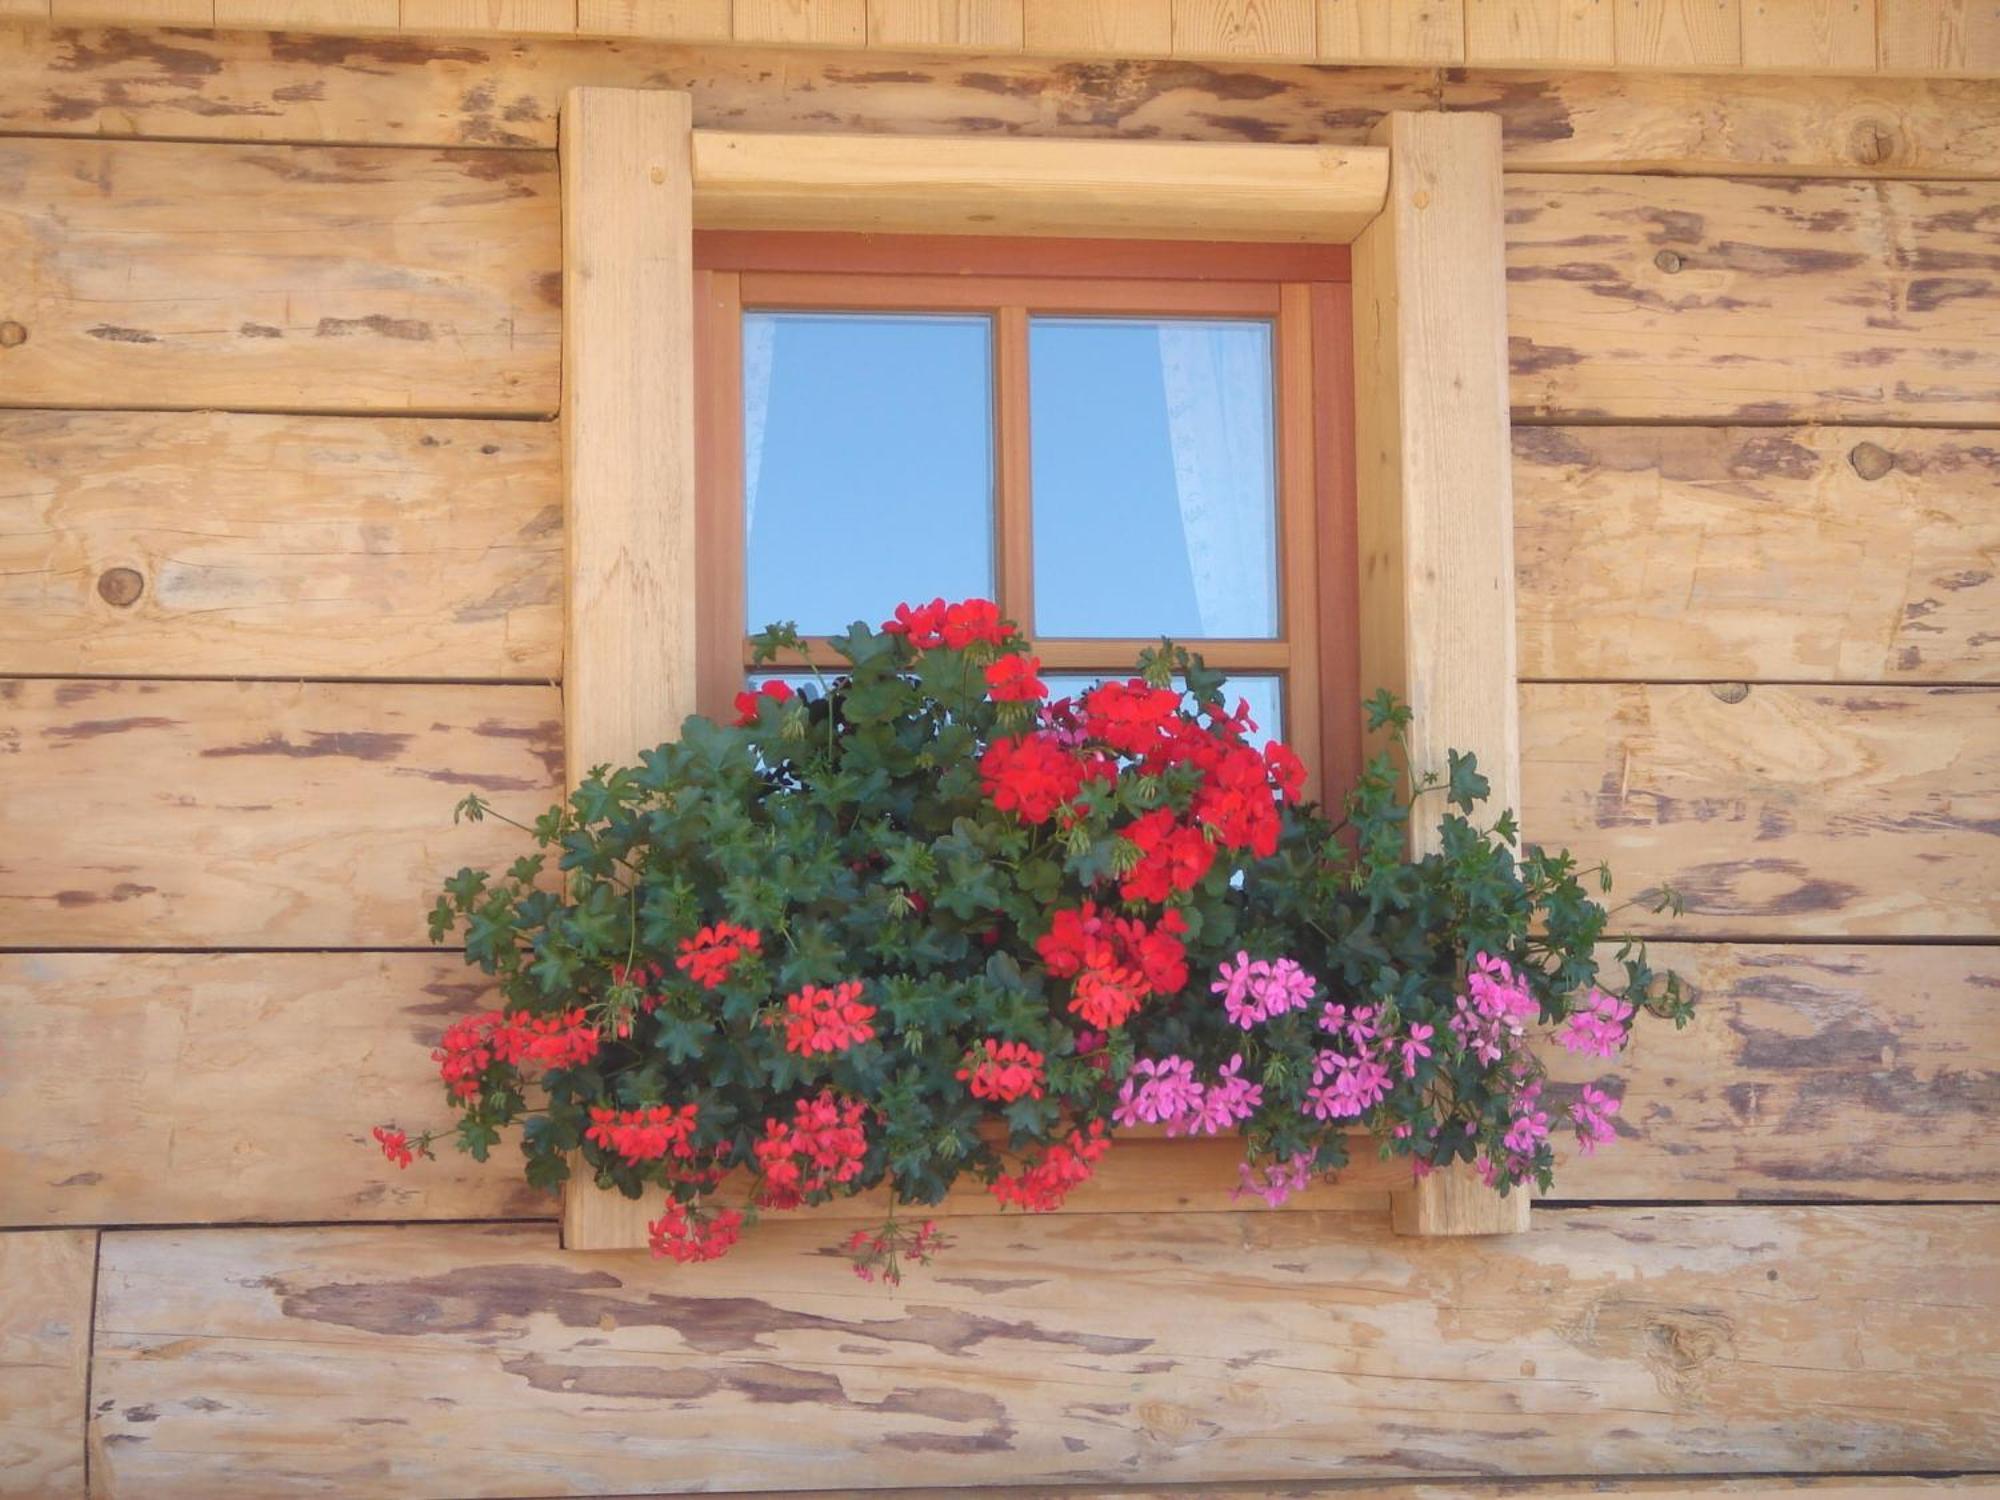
1042 1184
641 1135
1004 1071
1117 962
748 706
1173 856
395 1145
824 1020
956 626
821 1148
469 1047
1132 717
686 1234
711 953
1035 774
1012 679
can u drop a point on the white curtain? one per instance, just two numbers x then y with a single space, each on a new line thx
1219 422
760 338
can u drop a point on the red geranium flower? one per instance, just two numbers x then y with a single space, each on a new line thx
641 1135
824 1020
1012 679
1004 1071
749 702
711 953
1030 776
686 1234
1132 716
974 620
1174 857
395 1144
1287 770
1042 1184
819 1149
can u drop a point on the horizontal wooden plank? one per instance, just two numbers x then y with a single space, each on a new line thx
1811 1071
1833 1487
1776 811
1832 554
172 1088
156 544
1194 1349
254 815
1199 190
46 1283
1725 300
142 274
472 91
1147 1173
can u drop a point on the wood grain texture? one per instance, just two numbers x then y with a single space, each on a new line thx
631 579
825 23
1274 29
1099 28
1392 31
1434 500
278 546
1679 33
676 20
1777 812
176 1088
970 25
464 91
1928 36
330 15
1547 32
46 1282
1813 1071
1281 1346
1725 300
1092 189
154 275
1809 35
505 17
133 12
253 815
1758 554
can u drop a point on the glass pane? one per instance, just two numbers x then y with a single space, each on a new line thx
867 464
1264 694
1155 497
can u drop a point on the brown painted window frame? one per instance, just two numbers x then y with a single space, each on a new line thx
1304 290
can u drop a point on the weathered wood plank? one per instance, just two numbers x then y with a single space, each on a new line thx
1882 1487
1833 554
1740 300
1679 33
1548 33
1776 812
278 278
1091 1348
253 815
46 1282
144 544
971 25
470 91
1812 1071
1825 36
1392 31
1243 28
173 1088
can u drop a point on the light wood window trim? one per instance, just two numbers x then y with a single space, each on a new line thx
1434 580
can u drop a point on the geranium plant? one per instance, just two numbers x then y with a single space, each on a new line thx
915 924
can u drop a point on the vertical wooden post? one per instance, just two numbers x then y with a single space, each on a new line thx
628 424
1434 498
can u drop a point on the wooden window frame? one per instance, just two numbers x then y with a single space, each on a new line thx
1303 292
1433 567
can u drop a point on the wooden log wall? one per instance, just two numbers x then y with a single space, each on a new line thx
280 541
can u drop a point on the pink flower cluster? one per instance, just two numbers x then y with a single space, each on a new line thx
1274 1181
1495 1009
1592 1113
1258 989
1164 1091
1599 1028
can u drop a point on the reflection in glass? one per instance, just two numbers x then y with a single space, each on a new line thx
1154 473
867 464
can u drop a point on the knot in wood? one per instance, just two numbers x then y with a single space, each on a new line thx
1871 143
1871 460
12 334
1669 261
1730 692
120 586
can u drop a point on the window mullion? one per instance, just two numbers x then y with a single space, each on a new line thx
1014 550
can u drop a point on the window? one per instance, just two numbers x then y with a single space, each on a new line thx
1115 441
